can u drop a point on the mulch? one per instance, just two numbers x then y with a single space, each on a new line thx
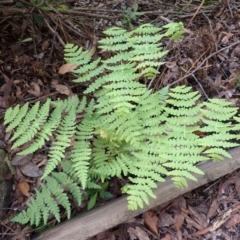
207 58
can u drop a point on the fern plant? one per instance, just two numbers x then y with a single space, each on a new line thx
127 130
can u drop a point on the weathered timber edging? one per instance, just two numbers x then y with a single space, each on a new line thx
113 213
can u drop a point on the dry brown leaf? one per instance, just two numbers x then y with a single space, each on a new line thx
54 81
191 222
151 220
62 89
19 93
68 67
213 208
179 219
39 56
179 235
105 235
167 237
235 219
218 26
23 234
182 203
19 196
24 188
198 217
237 183
45 45
35 89
137 233
21 159
5 100
171 65
224 185
179 205
168 77
165 220
225 39
31 170
201 232
4 103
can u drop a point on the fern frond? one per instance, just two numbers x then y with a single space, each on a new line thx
10 114
60 195
182 174
40 117
91 74
115 31
218 109
39 208
174 30
82 105
88 67
30 116
69 184
28 120
65 132
76 55
218 140
126 129
138 192
48 198
214 151
236 126
117 61
146 29
46 132
179 182
80 158
17 115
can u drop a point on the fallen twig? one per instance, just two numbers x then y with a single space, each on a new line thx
200 65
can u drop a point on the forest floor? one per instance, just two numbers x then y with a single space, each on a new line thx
207 58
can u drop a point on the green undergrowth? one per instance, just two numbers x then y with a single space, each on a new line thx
123 131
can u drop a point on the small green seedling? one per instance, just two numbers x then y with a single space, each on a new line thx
95 193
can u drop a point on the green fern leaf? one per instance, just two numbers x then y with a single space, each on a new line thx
10 114
46 132
65 132
19 114
80 159
30 116
125 130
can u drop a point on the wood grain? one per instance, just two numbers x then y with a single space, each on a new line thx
113 213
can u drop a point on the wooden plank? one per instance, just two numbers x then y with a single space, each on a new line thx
113 213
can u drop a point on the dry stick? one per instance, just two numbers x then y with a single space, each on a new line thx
52 45
67 22
211 29
96 9
198 9
88 14
7 1
200 85
200 65
46 14
117 11
230 10
185 70
54 32
7 11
